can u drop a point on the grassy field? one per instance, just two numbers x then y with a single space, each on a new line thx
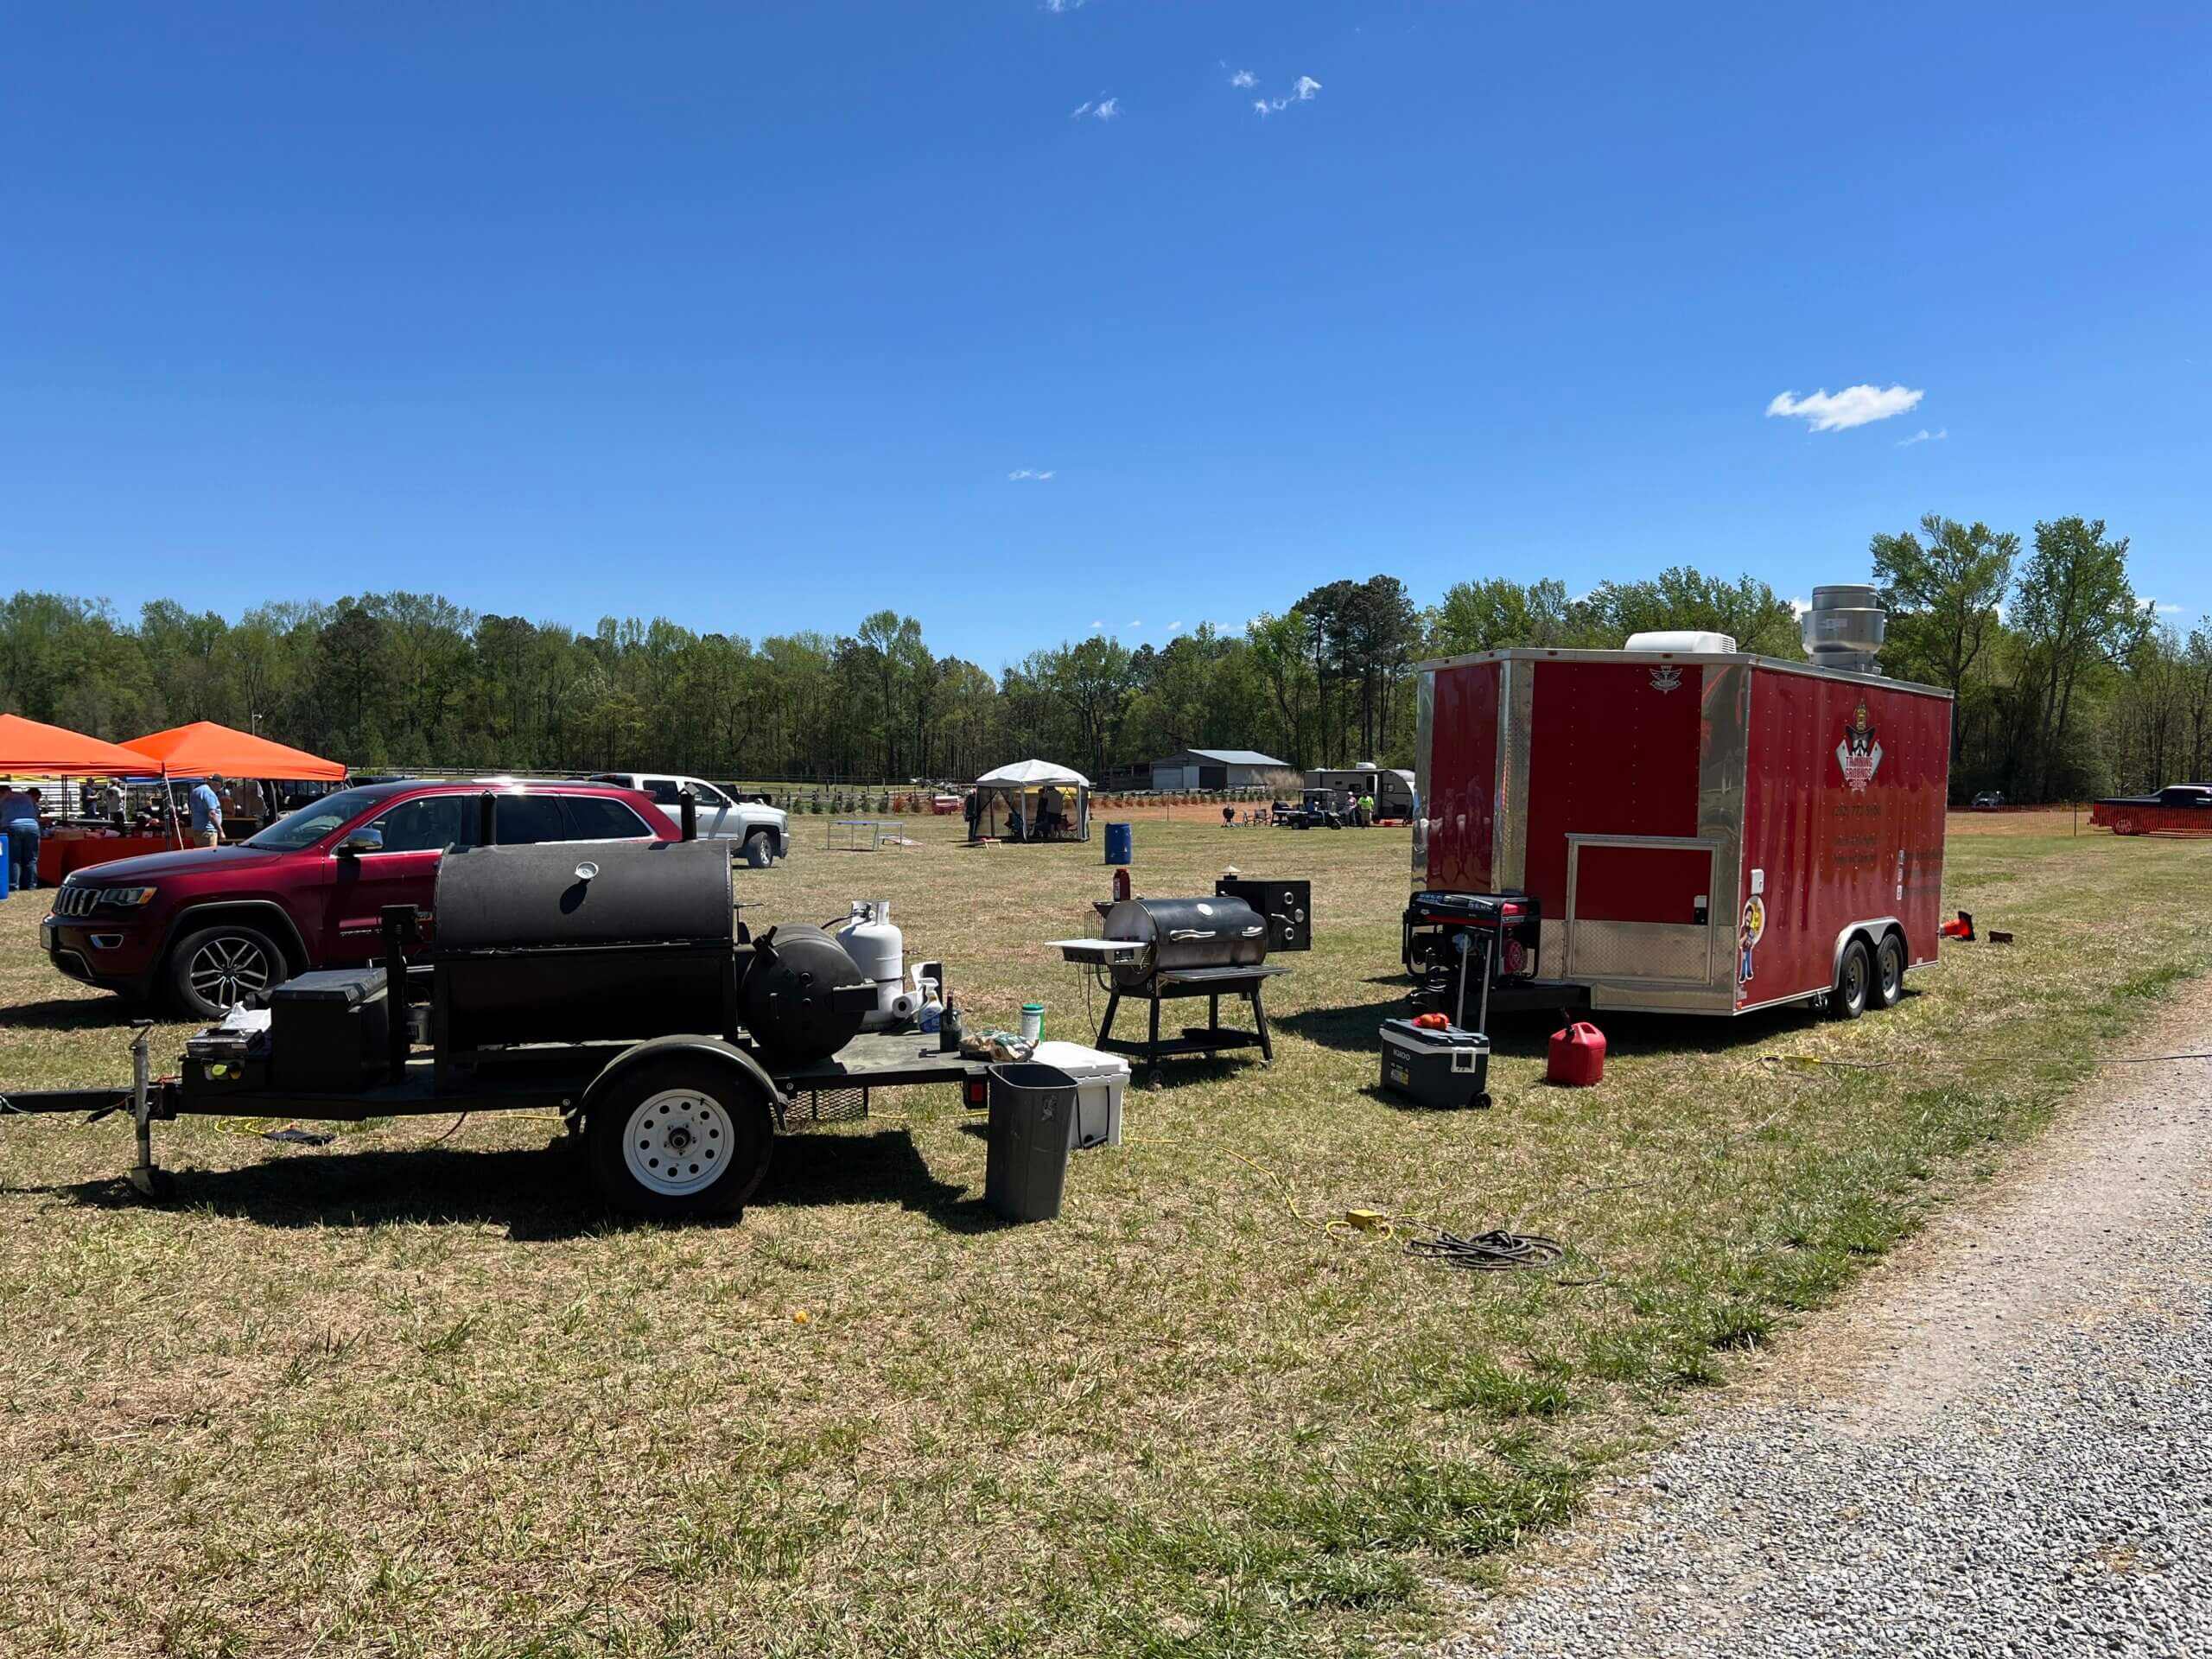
389 1397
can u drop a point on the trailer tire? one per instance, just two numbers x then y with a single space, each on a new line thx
1889 970
1854 982
683 1139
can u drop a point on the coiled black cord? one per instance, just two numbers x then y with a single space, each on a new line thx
1495 1251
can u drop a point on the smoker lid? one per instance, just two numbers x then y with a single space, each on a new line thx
575 893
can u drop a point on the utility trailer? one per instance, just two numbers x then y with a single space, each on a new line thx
614 988
1684 831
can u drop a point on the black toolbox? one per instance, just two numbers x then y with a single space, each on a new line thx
1448 1067
328 1031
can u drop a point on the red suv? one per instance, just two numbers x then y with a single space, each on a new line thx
213 925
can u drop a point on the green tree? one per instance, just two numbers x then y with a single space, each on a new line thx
2076 615
1943 598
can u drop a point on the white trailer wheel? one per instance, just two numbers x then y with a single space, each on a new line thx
677 1142
683 1138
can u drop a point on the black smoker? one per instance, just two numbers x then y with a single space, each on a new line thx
568 942
1190 947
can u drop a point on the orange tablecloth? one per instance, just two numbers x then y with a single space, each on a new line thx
58 856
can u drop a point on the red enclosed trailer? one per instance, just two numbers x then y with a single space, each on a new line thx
1697 832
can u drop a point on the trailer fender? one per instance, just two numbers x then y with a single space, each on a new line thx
1872 930
661 1048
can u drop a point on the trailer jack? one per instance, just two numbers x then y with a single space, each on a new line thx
150 1181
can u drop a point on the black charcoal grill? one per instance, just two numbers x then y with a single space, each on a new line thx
1163 949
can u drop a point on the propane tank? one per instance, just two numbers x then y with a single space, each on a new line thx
880 950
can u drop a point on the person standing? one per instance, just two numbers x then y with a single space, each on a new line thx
19 820
1367 809
208 811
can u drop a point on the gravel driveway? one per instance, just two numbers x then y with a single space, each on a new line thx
2001 1444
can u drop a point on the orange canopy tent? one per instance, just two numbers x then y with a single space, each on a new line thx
30 748
203 748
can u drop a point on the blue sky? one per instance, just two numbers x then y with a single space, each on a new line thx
746 315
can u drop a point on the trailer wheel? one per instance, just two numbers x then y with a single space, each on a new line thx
1888 970
1855 983
679 1140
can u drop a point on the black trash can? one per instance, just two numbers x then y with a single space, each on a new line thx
1033 1124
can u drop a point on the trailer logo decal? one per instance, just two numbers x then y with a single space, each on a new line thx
1667 678
1860 752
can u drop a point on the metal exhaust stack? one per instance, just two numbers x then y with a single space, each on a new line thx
1844 628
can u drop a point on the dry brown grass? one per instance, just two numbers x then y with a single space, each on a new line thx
385 1398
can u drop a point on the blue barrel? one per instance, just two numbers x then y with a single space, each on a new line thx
1120 844
4 864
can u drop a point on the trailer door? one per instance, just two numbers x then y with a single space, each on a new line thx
1639 909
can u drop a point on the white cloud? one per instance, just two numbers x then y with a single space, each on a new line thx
1027 474
1174 627
1301 91
1243 78
1924 436
1136 622
1058 7
1104 108
1853 406
1095 625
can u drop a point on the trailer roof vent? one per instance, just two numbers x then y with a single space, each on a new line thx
1844 628
1687 641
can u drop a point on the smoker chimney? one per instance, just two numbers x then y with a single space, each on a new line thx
1844 628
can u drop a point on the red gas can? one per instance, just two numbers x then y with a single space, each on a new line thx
1578 1055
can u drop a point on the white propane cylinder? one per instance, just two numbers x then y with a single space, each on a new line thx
879 950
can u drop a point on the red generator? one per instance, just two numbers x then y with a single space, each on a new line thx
1681 830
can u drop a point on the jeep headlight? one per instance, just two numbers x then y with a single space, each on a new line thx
127 898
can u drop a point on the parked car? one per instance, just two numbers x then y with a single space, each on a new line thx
209 927
1989 801
722 816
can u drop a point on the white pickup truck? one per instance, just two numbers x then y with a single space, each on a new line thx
721 816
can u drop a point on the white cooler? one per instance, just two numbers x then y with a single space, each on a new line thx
1101 1080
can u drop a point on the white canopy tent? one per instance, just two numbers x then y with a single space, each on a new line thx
1031 800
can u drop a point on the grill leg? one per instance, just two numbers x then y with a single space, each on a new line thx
1213 1011
1152 1047
1106 1026
1260 1026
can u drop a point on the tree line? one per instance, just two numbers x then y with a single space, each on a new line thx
2066 683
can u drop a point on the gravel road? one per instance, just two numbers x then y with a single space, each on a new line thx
1998 1444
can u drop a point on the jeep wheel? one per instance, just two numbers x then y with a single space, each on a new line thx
211 970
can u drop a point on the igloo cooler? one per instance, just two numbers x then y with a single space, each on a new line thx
1447 1068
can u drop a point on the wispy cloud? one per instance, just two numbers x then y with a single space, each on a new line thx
1136 622
1056 6
1103 109
1096 623
1174 627
1301 91
1853 406
1026 474
1924 436
1243 78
